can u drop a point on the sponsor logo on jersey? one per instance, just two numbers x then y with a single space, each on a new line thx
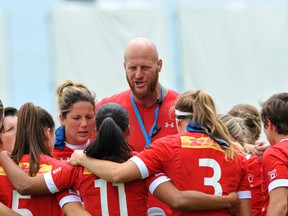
2 171
25 166
56 170
171 125
199 142
86 171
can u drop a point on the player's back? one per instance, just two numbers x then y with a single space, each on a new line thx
30 205
99 196
105 198
193 161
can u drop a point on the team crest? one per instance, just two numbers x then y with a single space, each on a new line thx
272 174
250 178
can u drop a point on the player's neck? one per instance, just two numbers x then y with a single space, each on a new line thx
281 138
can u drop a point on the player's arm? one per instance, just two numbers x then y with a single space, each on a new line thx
257 149
23 183
195 200
110 171
74 209
4 210
245 207
278 202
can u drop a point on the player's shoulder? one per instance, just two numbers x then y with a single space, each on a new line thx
169 139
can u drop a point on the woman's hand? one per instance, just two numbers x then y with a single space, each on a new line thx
76 157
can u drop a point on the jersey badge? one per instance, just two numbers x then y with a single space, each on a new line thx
250 178
272 174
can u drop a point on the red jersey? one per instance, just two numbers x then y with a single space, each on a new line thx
193 161
65 153
254 178
99 196
275 170
62 154
166 120
35 205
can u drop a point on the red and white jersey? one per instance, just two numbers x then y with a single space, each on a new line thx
275 170
193 161
48 204
254 178
65 153
62 154
99 196
166 118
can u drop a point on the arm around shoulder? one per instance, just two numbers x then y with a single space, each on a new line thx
23 183
108 170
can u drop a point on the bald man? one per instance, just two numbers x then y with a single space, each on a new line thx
147 102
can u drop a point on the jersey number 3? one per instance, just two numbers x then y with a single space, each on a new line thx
214 180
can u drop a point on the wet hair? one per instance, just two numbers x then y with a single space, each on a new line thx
10 111
30 139
1 109
236 127
252 120
203 108
71 92
110 143
1 112
275 109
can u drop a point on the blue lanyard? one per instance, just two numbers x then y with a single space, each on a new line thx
147 137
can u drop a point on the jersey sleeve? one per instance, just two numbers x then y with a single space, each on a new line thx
150 161
153 181
275 169
244 191
62 177
66 196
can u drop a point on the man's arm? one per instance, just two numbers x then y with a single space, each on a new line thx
4 210
278 202
23 183
110 171
195 200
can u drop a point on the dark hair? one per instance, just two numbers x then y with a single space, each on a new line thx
110 143
252 120
10 111
275 109
1 115
30 139
1 109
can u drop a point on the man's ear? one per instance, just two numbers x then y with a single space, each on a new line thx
160 63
